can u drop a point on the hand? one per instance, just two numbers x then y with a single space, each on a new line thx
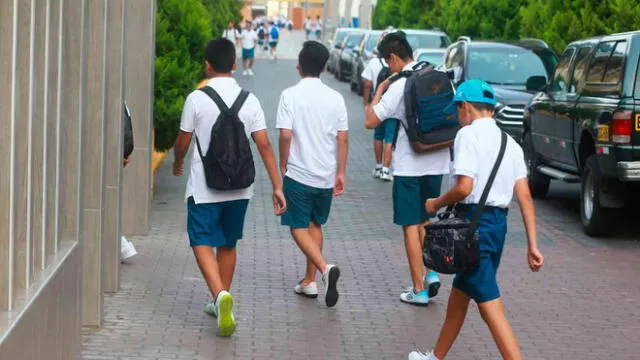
279 202
125 162
535 258
338 189
177 168
283 170
432 206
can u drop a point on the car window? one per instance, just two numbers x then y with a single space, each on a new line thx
561 77
340 35
352 41
504 66
455 57
580 70
372 41
427 41
434 59
599 64
613 74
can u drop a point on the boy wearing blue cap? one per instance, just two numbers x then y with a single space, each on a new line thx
476 147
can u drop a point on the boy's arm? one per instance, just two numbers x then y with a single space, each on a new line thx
343 150
367 86
523 195
381 108
180 151
261 138
462 189
285 146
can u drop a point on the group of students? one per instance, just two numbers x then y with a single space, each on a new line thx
313 147
249 39
312 27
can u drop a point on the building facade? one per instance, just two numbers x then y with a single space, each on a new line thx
66 69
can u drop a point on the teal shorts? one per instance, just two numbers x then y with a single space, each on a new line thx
409 196
386 131
305 204
216 224
248 54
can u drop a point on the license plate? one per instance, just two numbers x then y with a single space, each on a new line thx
603 133
638 122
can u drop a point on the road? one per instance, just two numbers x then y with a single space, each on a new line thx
582 305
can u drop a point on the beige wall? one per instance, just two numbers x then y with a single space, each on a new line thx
61 109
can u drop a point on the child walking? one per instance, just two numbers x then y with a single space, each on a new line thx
476 148
313 158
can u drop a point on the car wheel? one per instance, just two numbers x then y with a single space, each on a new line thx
594 216
538 183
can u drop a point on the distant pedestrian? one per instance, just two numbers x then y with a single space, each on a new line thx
274 37
290 25
231 33
318 27
313 157
216 217
476 149
308 26
249 42
262 36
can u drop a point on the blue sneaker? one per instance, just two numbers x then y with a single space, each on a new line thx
420 299
432 283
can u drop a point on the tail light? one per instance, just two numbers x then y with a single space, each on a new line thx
622 127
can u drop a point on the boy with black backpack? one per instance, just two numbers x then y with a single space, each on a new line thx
417 176
274 37
477 146
222 117
313 157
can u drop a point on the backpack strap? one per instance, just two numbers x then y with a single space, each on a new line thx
487 188
240 100
215 97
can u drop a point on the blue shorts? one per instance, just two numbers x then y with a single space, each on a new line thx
409 196
248 54
273 44
305 204
386 131
481 285
216 224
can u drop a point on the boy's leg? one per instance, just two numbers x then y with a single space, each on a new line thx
232 221
226 258
388 152
414 255
209 267
493 314
315 231
309 247
456 313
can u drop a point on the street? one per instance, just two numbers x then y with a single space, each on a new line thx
582 305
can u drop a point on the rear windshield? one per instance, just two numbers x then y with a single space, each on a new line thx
372 40
352 41
502 66
428 41
340 35
434 59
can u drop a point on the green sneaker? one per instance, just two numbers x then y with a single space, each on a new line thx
226 321
211 309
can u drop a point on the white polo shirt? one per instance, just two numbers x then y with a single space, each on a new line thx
372 70
231 35
315 122
249 39
198 116
405 161
476 149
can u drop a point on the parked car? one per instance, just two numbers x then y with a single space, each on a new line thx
584 126
363 54
507 67
427 39
344 67
432 56
336 47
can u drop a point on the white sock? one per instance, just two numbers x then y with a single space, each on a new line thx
378 166
386 169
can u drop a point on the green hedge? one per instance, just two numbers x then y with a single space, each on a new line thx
183 28
558 22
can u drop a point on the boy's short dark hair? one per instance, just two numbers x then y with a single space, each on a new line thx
221 55
395 43
483 106
313 58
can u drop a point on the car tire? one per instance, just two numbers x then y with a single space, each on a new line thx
595 220
538 183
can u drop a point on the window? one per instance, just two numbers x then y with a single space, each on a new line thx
427 41
372 41
455 58
504 65
613 75
596 72
352 41
580 70
561 77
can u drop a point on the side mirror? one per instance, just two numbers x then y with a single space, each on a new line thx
536 83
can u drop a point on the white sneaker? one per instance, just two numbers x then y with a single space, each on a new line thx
309 291
211 309
417 355
245 73
127 250
385 175
226 320
377 172
330 279
251 72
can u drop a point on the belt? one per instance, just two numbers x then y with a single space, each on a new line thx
463 208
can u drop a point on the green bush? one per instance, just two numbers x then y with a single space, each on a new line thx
183 28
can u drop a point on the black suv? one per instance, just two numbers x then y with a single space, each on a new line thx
585 126
344 67
507 67
336 47
362 54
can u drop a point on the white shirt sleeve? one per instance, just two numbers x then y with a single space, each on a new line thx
367 73
343 119
188 119
519 166
391 106
259 122
465 161
284 119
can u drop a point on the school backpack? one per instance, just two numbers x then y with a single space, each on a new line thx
431 118
228 163
261 33
128 133
275 33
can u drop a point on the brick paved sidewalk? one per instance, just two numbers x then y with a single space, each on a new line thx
583 305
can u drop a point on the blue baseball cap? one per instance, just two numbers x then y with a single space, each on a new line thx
475 91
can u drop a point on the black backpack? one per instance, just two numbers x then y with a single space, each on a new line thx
128 133
261 34
432 120
228 164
